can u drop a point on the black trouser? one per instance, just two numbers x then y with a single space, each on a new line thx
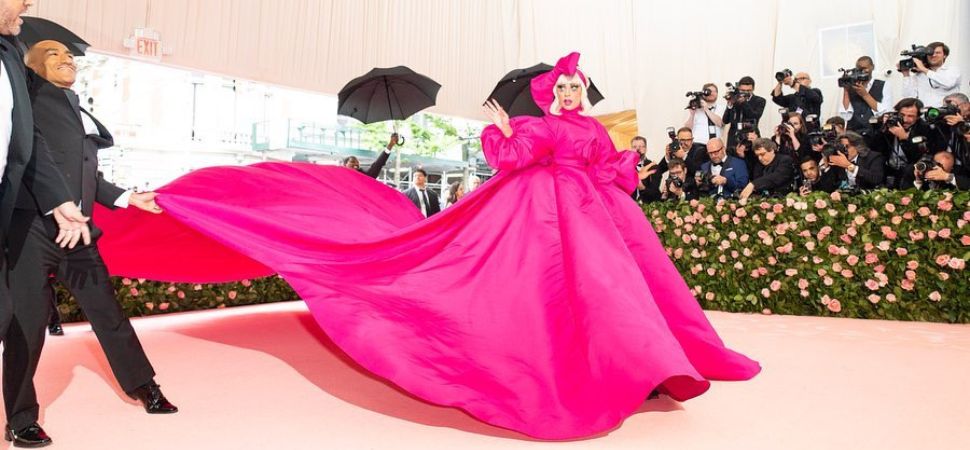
83 272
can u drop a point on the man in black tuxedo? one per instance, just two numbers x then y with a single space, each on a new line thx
648 189
425 200
693 154
743 108
74 138
864 169
351 162
814 179
25 165
775 173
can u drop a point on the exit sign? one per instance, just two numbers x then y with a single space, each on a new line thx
146 43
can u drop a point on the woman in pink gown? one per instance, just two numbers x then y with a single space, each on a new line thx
542 302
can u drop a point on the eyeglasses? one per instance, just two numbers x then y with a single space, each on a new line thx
715 151
801 78
686 140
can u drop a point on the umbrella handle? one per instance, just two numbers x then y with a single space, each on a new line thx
400 140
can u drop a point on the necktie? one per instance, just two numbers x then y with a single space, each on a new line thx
72 98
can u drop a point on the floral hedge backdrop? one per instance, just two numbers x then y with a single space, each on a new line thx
888 254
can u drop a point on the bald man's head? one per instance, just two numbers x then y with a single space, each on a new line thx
54 62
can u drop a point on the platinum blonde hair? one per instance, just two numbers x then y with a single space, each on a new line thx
584 106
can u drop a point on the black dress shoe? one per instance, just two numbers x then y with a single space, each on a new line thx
31 436
55 329
155 402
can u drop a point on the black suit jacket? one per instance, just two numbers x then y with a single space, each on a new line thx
73 150
806 98
29 165
872 170
375 168
749 111
885 143
432 206
775 178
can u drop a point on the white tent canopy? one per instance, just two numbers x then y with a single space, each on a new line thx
643 55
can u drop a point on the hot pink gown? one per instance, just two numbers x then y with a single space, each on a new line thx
542 302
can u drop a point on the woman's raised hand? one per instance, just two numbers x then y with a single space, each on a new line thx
498 116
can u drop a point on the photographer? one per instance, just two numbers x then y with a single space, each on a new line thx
683 147
837 123
678 187
724 175
930 78
743 107
806 99
791 137
706 115
648 189
774 175
938 173
863 99
815 179
864 169
893 139
954 118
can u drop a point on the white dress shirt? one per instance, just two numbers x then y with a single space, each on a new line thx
6 116
701 128
932 86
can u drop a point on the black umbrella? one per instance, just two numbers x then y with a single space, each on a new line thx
387 94
36 29
514 94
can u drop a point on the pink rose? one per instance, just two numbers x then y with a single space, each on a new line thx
811 218
741 212
944 276
764 205
944 233
805 233
821 272
957 264
702 240
911 275
232 295
778 208
916 235
935 296
852 260
734 254
847 273
802 283
693 203
678 253
126 281
150 306
781 228
908 215
775 285
769 216
931 234
835 306
879 269
944 205
868 246
738 265
711 271
197 287
766 312
942 260
912 264
755 274
763 271
846 238
901 251
133 292
891 298
896 220
817 260
871 258
836 196
883 245
923 211
819 204
833 249
709 296
766 293
701 208
828 281
736 221
744 238
791 272
851 208
890 207
695 270
873 298
905 201
163 306
873 285
746 252
803 293
180 294
686 239
248 283
907 284
722 259
772 261
170 289
810 245
965 240
836 267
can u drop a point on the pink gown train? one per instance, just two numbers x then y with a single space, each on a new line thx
542 302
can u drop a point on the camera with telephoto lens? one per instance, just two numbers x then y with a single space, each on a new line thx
741 135
827 134
734 93
853 76
919 52
832 147
675 182
674 143
703 180
695 103
782 75
926 162
963 127
935 114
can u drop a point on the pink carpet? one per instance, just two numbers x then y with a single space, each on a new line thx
266 377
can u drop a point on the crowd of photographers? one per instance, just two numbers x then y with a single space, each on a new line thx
921 141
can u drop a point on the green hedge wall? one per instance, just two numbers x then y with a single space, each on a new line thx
897 255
